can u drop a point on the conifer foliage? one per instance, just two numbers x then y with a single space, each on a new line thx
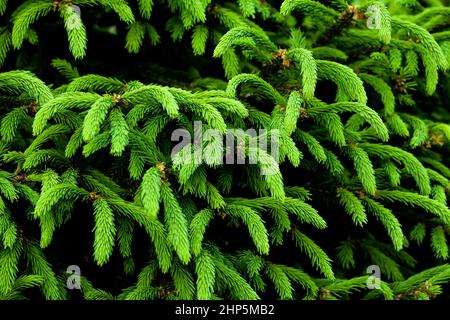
92 92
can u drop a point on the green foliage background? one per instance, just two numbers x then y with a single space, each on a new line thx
91 91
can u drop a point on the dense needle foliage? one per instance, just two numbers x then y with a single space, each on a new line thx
92 90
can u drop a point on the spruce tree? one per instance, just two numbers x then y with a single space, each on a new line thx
355 94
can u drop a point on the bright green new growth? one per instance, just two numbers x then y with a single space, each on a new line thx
151 191
104 231
342 129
